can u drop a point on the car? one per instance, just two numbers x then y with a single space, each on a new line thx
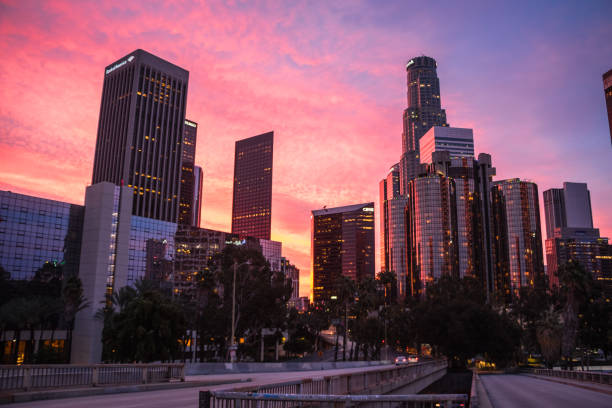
400 360
413 358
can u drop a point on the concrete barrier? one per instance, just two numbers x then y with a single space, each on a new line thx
228 368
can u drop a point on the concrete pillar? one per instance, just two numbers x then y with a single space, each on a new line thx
104 253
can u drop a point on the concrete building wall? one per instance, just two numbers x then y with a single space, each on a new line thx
103 265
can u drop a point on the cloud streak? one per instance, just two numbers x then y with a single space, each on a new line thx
327 78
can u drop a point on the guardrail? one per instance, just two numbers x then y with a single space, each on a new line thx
252 400
598 377
30 377
379 381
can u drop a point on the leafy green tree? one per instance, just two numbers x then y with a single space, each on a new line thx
141 324
454 319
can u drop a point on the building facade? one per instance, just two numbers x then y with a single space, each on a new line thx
388 189
431 231
198 181
584 246
520 259
140 132
34 231
342 245
569 207
189 187
252 197
607 82
458 142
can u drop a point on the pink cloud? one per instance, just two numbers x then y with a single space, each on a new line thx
329 81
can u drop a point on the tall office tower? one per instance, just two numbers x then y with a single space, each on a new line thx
188 183
517 208
342 245
252 201
485 172
431 231
607 81
567 207
423 111
388 189
584 246
140 130
198 177
570 233
424 108
458 142
469 226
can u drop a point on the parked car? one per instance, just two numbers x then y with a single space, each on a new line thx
413 358
400 360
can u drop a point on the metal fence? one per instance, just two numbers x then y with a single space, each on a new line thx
593 376
29 377
220 399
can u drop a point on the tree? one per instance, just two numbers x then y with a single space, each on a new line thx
549 332
575 285
73 302
141 324
454 319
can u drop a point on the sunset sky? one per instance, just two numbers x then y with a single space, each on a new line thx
328 78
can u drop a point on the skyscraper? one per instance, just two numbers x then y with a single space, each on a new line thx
388 189
342 245
607 82
188 182
519 246
252 199
431 231
567 207
570 233
458 142
198 177
423 111
140 131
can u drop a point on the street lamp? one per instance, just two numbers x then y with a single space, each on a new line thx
233 346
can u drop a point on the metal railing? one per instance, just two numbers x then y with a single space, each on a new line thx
254 400
350 385
30 377
593 376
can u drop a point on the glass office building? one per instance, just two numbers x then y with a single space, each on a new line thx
140 126
252 197
519 238
189 188
35 230
431 231
342 245
151 249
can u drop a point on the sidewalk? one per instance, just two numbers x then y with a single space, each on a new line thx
587 385
8 397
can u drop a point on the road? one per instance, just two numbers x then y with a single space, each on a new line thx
507 391
184 397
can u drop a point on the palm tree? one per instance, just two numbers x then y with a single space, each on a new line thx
74 302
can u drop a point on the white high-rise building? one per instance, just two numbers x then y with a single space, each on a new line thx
459 142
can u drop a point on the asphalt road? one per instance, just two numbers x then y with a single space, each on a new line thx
510 391
184 397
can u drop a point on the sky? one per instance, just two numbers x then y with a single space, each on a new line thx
328 78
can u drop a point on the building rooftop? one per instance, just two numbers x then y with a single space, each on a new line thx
338 210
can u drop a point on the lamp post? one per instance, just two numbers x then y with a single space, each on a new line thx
233 346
